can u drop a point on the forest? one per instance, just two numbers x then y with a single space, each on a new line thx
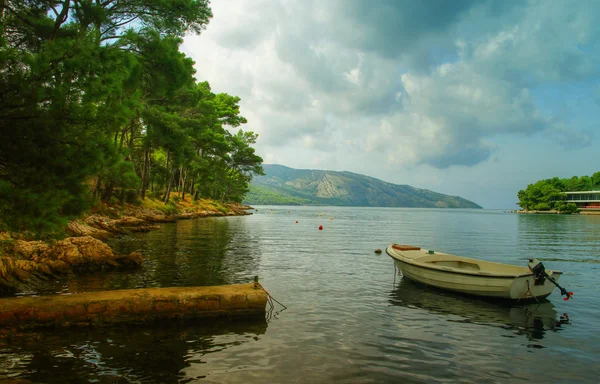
97 103
549 194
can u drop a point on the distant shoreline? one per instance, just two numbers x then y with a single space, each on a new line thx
554 212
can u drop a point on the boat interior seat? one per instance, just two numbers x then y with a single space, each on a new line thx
456 264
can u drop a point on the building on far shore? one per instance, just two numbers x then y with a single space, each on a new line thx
585 200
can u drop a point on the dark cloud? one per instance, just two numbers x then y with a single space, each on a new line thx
393 28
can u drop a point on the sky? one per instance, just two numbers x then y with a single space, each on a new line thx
475 99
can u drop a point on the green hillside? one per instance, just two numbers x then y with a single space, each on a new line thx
287 186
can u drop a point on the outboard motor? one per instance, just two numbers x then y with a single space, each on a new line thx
540 276
539 271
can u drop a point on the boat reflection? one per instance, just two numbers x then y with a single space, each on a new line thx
530 319
157 353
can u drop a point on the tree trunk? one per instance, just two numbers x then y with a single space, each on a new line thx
179 179
145 172
132 136
167 159
123 133
168 192
60 19
108 192
183 184
169 178
97 189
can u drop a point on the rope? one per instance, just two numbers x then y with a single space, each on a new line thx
270 298
528 294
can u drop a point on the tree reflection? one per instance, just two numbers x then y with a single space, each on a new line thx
157 353
199 252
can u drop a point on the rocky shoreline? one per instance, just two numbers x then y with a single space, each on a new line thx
24 263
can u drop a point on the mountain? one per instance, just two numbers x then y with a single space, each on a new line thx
288 186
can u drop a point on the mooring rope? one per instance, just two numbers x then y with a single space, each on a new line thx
528 294
270 298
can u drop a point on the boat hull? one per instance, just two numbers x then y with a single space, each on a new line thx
518 286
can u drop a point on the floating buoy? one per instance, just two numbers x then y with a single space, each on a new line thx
320 214
320 227
296 221
331 218
378 250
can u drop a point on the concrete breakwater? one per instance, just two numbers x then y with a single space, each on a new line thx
131 306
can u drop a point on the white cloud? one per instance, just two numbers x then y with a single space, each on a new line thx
353 84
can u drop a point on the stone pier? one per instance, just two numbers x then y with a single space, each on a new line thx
131 306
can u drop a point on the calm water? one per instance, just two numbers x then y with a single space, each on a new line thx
349 319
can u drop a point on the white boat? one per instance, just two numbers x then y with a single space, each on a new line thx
473 276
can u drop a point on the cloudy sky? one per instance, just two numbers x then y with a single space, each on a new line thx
468 98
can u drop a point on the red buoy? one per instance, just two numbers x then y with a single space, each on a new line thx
320 227
296 221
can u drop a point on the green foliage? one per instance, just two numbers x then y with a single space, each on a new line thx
549 194
102 92
571 208
169 209
28 209
566 207
263 196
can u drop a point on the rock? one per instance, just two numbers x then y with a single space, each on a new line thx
37 260
144 228
21 275
81 252
134 259
58 266
28 249
130 221
102 227
17 274
81 228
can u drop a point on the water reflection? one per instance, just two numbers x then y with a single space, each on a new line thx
533 320
195 252
149 354
543 235
201 252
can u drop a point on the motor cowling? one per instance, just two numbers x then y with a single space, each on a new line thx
539 271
